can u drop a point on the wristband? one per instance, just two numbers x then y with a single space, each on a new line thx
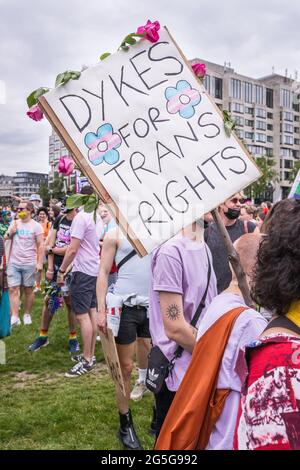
62 272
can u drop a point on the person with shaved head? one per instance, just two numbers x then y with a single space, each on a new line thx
204 412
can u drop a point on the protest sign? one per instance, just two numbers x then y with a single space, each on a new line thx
80 181
143 129
112 359
295 190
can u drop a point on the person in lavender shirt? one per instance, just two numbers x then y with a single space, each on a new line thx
179 279
248 327
83 253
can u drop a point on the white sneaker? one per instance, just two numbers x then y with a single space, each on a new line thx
15 321
138 391
27 319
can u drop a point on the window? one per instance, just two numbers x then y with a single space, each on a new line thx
269 138
261 125
217 89
260 137
249 110
239 120
269 152
269 98
237 107
296 153
270 127
286 152
285 98
297 141
207 83
259 94
240 133
248 92
57 145
248 122
236 88
286 116
296 130
270 115
287 139
288 164
260 150
261 113
249 135
286 175
297 118
288 127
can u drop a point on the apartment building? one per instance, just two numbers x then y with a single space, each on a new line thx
6 186
27 183
267 116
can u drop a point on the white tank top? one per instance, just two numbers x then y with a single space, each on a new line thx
134 275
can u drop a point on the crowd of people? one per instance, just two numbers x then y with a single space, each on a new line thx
233 375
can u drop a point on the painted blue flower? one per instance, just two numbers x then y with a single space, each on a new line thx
102 145
182 99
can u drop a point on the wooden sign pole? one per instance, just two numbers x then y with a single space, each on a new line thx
234 259
112 359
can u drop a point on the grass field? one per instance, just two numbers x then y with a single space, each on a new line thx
41 409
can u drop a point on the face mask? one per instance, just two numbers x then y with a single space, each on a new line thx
233 214
22 214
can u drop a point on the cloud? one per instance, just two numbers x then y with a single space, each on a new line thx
38 40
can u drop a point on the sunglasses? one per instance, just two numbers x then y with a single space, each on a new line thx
19 209
235 200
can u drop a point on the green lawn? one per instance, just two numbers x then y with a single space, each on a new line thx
41 409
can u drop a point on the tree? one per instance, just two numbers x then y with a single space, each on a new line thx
44 193
294 172
269 177
58 187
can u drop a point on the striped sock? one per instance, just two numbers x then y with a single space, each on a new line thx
73 335
43 333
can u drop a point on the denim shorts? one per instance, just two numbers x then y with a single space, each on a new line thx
18 275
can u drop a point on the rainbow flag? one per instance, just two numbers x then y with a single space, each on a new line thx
295 191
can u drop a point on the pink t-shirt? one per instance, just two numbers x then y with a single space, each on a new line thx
85 229
24 250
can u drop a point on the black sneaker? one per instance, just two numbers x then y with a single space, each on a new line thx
80 357
81 368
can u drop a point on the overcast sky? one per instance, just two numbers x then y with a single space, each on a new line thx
40 38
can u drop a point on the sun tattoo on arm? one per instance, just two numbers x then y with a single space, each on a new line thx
173 312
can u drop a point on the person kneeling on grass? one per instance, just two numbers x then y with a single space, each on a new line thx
60 239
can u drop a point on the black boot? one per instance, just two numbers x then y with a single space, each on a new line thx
127 433
153 422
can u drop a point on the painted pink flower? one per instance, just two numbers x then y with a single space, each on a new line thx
151 30
66 166
199 69
35 113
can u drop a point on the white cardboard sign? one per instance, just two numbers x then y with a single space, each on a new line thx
142 127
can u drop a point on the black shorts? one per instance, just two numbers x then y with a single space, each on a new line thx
83 292
134 323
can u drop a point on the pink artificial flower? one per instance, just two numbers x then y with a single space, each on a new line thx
35 113
199 69
66 166
151 30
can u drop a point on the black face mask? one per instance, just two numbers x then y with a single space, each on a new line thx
233 214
